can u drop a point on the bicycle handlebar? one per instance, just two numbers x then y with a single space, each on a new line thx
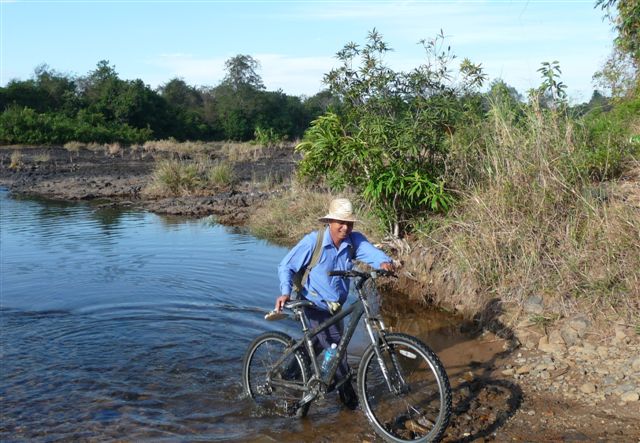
364 275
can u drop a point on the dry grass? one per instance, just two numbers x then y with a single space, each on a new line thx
43 157
530 224
286 218
201 176
240 152
231 151
181 148
220 174
16 160
113 149
269 182
74 146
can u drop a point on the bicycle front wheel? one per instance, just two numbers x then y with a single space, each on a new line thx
418 407
276 389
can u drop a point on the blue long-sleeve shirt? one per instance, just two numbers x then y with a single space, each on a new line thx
320 287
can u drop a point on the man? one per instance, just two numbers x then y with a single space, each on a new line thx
339 248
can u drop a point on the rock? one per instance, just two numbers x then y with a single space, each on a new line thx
509 371
523 370
580 324
588 388
626 388
534 305
603 351
553 348
621 335
555 337
569 335
630 396
635 364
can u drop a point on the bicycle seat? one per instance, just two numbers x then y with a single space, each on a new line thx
293 304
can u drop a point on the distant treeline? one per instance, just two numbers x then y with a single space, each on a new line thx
54 108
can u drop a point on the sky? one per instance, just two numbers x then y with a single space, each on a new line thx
295 41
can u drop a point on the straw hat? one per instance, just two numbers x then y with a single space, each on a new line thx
340 209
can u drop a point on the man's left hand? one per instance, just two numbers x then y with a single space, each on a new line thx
387 266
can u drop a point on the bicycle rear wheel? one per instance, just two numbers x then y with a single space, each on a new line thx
265 383
420 410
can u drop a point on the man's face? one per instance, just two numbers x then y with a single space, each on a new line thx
339 230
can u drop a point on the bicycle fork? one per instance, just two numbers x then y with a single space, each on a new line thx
398 386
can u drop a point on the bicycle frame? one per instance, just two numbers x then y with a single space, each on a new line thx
375 329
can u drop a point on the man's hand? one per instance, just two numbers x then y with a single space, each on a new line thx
387 266
280 301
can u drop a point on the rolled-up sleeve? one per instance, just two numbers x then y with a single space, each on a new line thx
367 253
294 261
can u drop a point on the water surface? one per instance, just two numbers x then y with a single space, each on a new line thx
124 325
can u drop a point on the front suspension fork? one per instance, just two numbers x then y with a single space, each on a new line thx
397 385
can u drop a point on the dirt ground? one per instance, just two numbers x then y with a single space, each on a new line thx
506 389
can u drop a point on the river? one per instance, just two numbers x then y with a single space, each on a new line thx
124 325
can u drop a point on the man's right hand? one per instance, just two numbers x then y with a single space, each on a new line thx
280 301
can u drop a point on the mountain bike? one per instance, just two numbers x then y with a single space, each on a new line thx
402 386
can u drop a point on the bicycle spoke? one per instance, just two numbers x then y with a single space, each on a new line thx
276 389
416 413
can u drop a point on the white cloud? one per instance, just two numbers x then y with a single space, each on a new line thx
294 75
194 70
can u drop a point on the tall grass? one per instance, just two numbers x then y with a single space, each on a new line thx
535 218
16 160
174 177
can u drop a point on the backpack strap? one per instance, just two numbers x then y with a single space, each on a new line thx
301 277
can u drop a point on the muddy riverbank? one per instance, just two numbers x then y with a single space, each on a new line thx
522 382
121 177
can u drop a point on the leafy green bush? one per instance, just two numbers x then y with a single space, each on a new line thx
609 140
391 140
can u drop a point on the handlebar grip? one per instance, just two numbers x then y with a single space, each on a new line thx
338 273
385 273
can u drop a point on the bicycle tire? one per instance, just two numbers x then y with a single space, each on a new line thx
259 360
422 414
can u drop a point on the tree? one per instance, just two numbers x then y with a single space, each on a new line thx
627 23
618 76
241 72
390 141
48 91
620 72
180 95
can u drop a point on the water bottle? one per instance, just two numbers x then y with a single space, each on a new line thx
329 354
